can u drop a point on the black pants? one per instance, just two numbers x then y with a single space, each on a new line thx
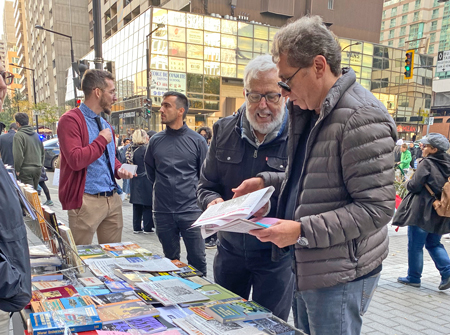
272 282
45 189
142 212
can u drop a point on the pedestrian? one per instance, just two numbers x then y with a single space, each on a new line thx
413 150
28 152
141 188
405 159
89 168
15 279
255 140
43 178
425 226
206 132
173 161
6 145
338 192
120 153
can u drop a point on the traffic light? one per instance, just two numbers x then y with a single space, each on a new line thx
78 103
147 108
409 64
80 67
111 67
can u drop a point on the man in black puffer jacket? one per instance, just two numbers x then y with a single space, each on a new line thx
252 141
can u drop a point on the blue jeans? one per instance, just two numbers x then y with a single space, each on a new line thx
168 229
335 310
417 239
126 186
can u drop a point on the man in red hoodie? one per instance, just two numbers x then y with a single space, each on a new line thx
88 188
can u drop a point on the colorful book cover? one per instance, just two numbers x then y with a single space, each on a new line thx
114 298
145 325
52 305
36 307
33 198
129 310
75 302
189 271
93 290
118 286
238 311
90 281
145 297
56 242
67 236
55 293
216 292
132 277
77 319
179 263
272 326
90 250
42 285
47 277
113 246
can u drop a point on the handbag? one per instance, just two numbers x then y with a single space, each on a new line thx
442 206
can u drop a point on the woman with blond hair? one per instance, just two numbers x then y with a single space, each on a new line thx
140 189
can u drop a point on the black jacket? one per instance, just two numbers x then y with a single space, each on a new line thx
141 188
231 159
15 271
172 162
6 147
416 209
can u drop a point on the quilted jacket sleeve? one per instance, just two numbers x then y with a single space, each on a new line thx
366 156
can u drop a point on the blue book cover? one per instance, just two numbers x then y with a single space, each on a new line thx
118 286
146 324
76 319
93 290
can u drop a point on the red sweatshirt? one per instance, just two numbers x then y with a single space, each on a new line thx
76 154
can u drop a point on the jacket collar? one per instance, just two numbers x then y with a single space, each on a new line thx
178 132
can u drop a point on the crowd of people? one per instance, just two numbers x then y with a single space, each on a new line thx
308 129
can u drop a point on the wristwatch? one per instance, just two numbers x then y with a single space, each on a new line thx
302 240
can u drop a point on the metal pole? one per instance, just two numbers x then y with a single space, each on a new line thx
34 90
72 58
98 60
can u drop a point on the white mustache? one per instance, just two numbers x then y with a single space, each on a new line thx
264 112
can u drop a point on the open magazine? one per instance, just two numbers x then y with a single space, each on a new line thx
232 215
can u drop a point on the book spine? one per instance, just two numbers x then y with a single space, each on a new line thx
37 205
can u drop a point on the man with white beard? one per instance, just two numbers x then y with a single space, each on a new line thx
251 141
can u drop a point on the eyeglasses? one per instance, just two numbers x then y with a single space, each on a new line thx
7 77
256 97
284 84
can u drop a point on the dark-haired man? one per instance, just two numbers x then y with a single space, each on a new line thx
173 161
28 152
89 167
6 145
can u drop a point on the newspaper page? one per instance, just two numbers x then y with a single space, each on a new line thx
102 267
238 208
150 265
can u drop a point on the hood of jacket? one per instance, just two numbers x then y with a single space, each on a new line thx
27 130
442 161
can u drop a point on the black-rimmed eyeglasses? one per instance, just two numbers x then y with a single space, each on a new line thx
256 97
7 77
284 84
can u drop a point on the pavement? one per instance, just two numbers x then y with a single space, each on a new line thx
395 308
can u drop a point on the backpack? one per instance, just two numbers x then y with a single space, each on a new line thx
442 206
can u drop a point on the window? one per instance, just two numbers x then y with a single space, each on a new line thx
436 3
435 13
417 4
16 80
405 8
404 19
16 70
401 42
384 15
15 60
432 37
431 49
381 36
402 31
391 33
392 25
394 11
382 25
416 16
330 4
433 25
391 43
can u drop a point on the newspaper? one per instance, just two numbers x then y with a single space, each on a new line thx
150 265
231 215
102 267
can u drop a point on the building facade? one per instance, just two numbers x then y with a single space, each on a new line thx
11 53
204 57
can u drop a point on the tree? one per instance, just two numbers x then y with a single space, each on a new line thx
7 114
48 114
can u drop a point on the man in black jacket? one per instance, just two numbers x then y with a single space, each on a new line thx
252 141
172 162
6 145
15 271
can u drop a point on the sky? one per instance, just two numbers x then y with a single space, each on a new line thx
2 5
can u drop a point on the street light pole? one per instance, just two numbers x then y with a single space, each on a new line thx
356 43
71 56
34 91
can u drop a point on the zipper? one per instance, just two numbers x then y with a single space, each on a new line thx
255 153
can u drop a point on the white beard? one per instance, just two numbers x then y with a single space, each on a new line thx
265 128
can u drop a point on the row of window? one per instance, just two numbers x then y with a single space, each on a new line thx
417 4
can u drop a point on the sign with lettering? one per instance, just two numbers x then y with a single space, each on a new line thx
160 83
177 82
406 128
443 61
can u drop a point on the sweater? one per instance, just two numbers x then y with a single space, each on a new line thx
28 150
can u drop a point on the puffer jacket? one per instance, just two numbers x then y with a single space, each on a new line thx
232 158
346 194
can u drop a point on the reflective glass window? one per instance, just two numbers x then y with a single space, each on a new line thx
212 23
228 56
177 64
229 27
177 49
159 47
245 44
261 32
213 105
212 39
243 57
194 66
260 47
245 29
196 104
159 15
194 83
195 51
228 70
158 62
160 33
212 68
366 72
229 41
177 34
212 85
177 19
272 32
367 60
212 54
240 73
195 36
194 21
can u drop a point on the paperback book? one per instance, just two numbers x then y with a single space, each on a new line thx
55 293
75 302
114 298
144 325
238 311
273 326
128 310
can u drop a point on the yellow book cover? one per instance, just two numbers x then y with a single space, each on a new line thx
67 236
33 198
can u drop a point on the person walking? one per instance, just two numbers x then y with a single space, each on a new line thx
173 161
141 189
44 187
425 226
28 152
6 145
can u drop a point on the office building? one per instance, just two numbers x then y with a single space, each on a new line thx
204 57
11 53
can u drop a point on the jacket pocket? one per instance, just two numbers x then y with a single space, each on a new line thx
352 251
229 156
276 163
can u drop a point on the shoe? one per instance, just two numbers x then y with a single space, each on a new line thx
445 284
212 244
39 193
406 281
48 203
137 231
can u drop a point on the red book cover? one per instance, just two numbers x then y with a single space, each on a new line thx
55 293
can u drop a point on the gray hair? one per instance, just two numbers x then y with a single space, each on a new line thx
303 40
263 63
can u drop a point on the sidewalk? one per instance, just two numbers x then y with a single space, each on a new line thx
395 308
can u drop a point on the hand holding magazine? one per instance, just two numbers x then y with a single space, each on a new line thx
232 215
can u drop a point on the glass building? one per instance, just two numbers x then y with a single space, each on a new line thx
204 57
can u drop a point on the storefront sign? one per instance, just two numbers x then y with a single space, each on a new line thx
195 36
177 64
160 83
127 114
194 66
405 128
177 82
